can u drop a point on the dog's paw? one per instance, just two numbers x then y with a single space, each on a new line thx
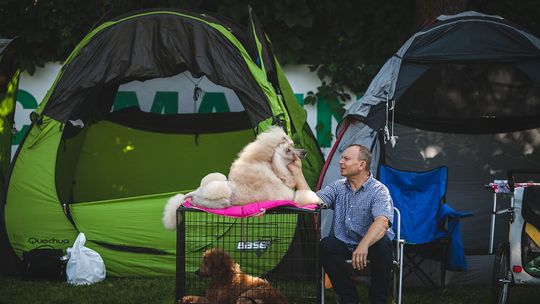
212 204
188 300
306 197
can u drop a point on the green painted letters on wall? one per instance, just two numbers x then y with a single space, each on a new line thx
125 99
213 101
324 122
28 102
166 102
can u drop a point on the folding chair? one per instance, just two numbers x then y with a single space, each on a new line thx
425 226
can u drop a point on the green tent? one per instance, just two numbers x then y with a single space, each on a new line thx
9 84
87 166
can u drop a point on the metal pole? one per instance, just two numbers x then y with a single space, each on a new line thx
399 248
492 228
322 286
400 270
180 254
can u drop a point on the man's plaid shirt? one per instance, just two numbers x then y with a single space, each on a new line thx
354 212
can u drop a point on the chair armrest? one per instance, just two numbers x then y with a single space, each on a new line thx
447 213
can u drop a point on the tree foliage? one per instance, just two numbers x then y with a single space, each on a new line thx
346 42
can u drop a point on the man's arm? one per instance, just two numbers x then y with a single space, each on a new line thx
301 184
375 232
296 170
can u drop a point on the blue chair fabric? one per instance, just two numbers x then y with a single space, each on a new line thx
418 195
426 219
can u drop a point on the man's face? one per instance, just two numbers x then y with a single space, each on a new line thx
350 164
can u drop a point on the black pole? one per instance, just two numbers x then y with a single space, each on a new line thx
180 254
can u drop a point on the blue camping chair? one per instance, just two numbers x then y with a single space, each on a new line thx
429 227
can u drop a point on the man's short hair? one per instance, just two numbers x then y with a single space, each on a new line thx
364 153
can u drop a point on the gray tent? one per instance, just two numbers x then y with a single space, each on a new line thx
463 92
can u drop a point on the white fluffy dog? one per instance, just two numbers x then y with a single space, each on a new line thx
259 173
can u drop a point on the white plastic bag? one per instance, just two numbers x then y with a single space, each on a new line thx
85 266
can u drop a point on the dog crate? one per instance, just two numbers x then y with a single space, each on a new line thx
281 246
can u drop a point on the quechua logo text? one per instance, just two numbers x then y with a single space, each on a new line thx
47 241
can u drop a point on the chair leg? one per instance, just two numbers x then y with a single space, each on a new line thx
413 267
397 273
323 287
444 251
443 276
400 270
395 281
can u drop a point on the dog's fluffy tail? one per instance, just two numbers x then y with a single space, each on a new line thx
169 213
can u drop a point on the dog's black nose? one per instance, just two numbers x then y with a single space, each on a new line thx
303 153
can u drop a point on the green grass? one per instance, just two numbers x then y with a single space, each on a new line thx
161 290
111 290
455 295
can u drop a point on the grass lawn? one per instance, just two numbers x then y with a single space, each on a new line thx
161 290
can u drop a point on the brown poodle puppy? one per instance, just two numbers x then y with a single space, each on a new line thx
229 285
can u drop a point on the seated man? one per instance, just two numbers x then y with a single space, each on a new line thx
363 214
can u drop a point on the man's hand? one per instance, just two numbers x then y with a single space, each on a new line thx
376 231
296 170
359 257
295 166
